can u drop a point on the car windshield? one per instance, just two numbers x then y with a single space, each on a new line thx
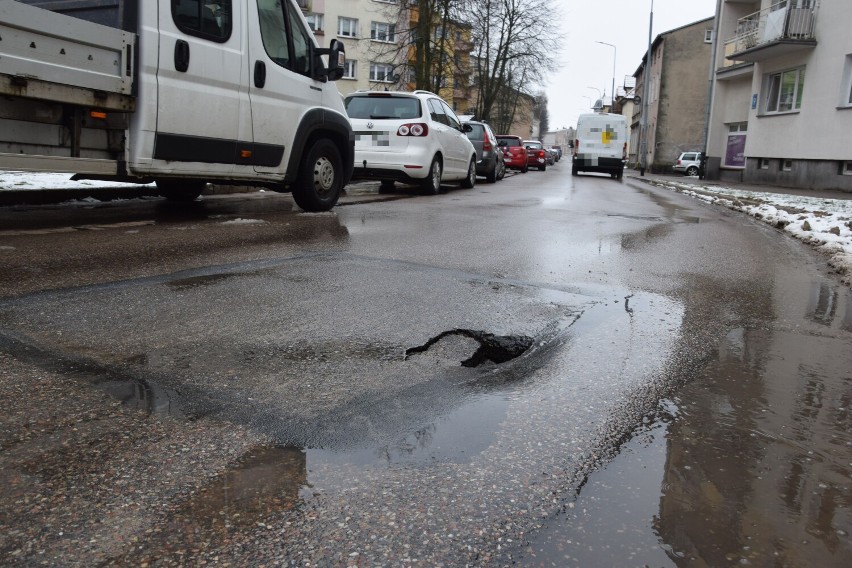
383 107
476 132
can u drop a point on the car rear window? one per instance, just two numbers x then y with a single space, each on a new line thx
476 133
510 141
382 107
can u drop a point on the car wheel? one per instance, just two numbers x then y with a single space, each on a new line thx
432 183
501 170
525 169
692 171
493 175
387 186
469 181
542 168
180 190
320 180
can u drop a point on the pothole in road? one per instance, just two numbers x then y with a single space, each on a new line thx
485 347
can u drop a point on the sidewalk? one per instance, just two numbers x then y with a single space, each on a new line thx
23 188
822 218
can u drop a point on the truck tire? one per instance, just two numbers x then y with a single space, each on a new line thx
432 183
180 190
320 178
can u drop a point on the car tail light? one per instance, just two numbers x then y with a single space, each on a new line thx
486 143
541 153
678 161
416 129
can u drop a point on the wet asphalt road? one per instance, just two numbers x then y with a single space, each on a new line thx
547 371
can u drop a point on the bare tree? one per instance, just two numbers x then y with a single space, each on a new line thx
514 39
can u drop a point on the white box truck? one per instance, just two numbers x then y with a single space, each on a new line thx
181 92
600 144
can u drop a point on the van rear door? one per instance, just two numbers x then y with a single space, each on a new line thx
199 84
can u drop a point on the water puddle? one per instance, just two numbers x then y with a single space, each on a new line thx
753 469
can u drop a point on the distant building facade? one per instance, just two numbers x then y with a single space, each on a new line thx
676 91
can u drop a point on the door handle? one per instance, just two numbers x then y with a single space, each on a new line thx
181 56
259 74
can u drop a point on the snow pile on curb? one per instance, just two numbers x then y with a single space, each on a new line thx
32 180
823 223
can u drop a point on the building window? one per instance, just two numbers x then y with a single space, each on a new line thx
380 31
846 168
315 22
708 36
763 163
846 96
786 165
347 27
381 72
784 91
350 69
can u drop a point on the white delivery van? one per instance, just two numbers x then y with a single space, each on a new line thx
181 92
600 144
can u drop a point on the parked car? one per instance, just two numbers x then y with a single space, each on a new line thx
537 154
688 163
558 150
514 152
551 156
410 137
489 157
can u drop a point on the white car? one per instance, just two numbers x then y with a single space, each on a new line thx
688 163
412 138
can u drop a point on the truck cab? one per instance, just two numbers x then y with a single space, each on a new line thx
221 91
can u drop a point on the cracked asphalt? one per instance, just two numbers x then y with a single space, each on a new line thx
233 382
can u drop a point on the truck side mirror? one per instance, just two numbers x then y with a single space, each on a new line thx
336 60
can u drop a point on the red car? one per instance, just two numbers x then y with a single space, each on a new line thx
514 152
538 156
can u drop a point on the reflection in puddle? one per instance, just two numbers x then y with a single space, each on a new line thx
456 437
753 469
265 482
828 307
759 459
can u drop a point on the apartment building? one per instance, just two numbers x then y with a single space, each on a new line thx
782 100
676 86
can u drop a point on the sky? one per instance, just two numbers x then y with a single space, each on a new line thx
585 63
826 224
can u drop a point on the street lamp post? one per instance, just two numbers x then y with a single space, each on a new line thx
612 94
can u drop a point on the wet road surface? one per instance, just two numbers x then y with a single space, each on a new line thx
293 385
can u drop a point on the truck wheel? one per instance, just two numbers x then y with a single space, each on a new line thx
180 190
432 183
320 178
386 186
469 181
574 170
620 174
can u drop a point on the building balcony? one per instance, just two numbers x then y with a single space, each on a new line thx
785 27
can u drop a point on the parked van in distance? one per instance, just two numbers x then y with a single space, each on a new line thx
600 144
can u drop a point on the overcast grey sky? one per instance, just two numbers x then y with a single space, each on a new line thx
585 63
